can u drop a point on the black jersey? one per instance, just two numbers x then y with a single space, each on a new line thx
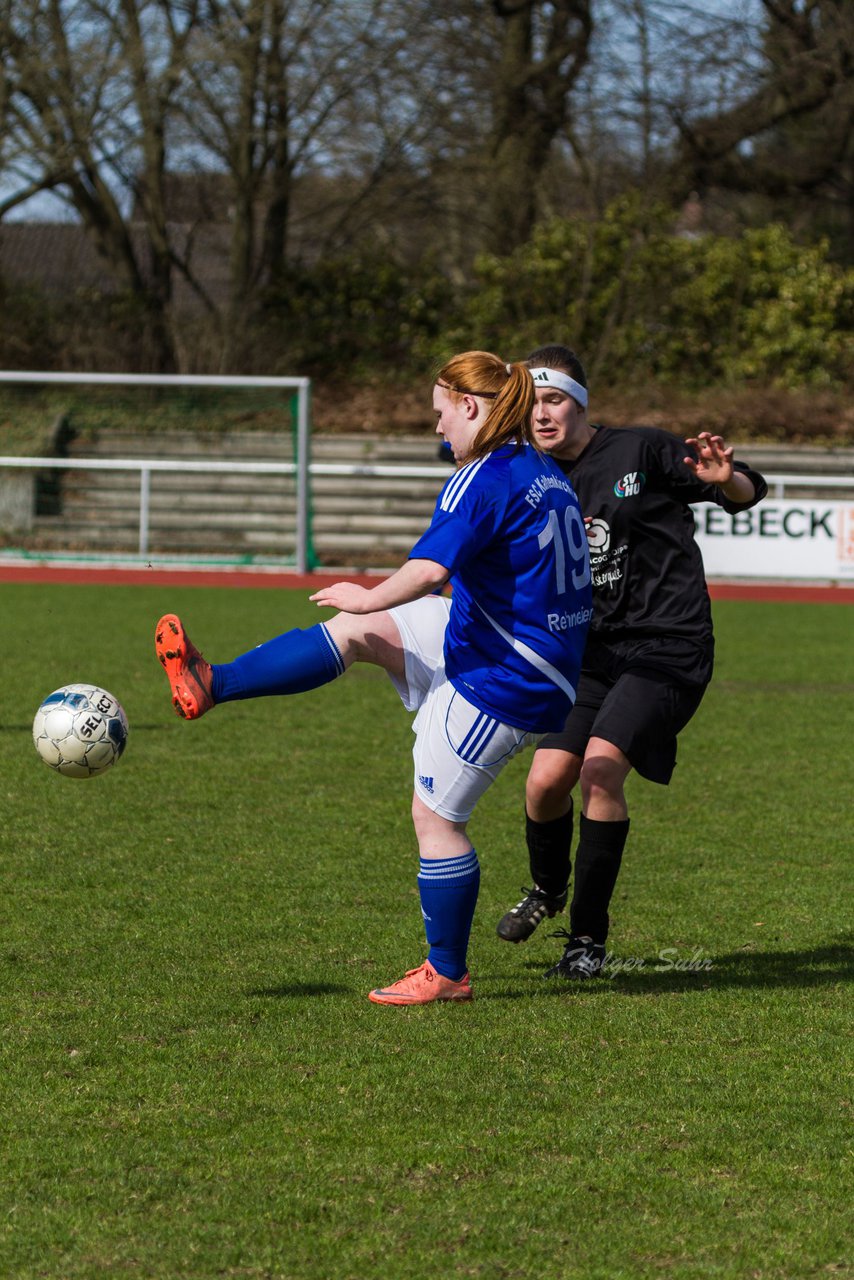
635 493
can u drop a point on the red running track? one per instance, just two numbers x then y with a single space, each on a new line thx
193 577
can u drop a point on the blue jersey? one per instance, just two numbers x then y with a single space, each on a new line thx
509 529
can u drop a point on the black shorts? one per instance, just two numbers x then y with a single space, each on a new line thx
639 696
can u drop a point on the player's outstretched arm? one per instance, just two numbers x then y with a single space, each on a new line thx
414 579
713 465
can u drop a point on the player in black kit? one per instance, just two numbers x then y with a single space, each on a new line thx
649 652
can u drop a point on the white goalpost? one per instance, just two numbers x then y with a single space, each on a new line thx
299 388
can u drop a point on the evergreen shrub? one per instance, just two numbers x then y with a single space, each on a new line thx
638 301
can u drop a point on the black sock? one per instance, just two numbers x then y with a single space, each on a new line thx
597 865
549 847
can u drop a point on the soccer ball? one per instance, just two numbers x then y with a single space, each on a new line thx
80 730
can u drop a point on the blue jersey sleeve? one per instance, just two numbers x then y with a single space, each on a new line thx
469 512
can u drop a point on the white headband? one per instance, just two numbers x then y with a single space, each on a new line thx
562 381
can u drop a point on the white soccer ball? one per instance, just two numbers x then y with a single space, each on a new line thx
80 730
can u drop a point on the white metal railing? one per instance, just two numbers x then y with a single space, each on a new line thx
805 481
304 469
146 466
302 386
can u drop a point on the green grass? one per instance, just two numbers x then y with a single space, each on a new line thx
196 1086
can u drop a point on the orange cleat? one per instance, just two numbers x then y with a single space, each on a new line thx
423 986
189 675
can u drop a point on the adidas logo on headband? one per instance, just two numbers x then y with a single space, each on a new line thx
561 382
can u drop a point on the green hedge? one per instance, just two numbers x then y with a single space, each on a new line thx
637 301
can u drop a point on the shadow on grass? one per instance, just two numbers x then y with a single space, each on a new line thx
299 989
137 726
631 975
643 976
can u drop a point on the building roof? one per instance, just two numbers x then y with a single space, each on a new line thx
61 258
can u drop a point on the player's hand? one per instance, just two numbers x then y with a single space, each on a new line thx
348 597
713 464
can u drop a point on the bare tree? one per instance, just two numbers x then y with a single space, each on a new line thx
276 89
788 135
184 134
751 101
803 59
106 99
87 111
540 52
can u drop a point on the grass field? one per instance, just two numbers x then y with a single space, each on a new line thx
195 1084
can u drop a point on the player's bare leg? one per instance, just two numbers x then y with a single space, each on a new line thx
603 775
438 837
551 781
370 637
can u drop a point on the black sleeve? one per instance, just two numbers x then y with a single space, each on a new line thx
758 481
666 452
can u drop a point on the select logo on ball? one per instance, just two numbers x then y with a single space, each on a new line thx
80 730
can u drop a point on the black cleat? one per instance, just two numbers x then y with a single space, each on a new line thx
521 921
582 958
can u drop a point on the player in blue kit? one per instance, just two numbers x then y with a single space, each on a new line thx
487 672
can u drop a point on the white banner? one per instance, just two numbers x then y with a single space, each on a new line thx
779 538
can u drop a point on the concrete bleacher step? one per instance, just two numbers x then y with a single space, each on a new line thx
57 533
258 447
107 486
376 518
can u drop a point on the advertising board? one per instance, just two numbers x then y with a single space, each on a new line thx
779 538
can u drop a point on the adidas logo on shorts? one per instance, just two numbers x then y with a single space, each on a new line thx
427 783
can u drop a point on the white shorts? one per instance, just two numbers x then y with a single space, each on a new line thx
459 750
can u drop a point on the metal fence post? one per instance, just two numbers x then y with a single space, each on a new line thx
302 478
144 508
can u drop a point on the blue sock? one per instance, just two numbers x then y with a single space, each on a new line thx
448 889
292 663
